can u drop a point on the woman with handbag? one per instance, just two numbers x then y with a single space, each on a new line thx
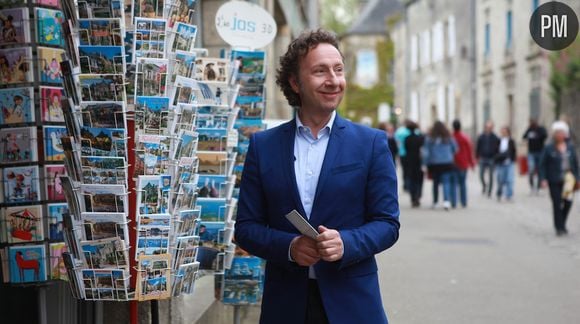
505 159
559 172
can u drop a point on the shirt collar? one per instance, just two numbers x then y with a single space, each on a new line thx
300 125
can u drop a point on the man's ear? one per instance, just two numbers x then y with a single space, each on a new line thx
294 84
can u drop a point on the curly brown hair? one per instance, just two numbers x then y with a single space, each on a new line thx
290 62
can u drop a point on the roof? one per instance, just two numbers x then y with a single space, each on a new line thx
372 19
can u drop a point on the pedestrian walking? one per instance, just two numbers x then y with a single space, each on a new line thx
463 161
413 144
389 129
400 135
438 153
339 176
558 171
486 149
505 165
536 136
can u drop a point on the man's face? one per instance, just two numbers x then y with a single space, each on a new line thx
320 81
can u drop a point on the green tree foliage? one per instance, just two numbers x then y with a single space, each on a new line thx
338 15
565 77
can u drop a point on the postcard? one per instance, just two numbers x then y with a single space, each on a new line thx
181 11
150 35
55 220
152 154
101 87
100 32
54 190
250 62
15 26
23 224
212 121
48 27
186 198
17 105
28 263
209 69
21 184
185 172
159 220
183 38
154 274
100 9
49 60
212 209
153 194
213 186
99 226
105 253
184 280
57 267
186 250
53 150
187 144
213 162
151 77
103 114
243 283
151 114
104 198
105 284
185 118
249 94
102 59
69 83
48 3
183 64
187 222
212 139
152 245
104 170
207 257
251 110
51 105
103 141
16 65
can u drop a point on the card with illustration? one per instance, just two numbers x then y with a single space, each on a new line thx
104 170
99 226
23 224
27 263
212 209
104 198
212 139
183 37
51 105
15 26
100 9
103 115
100 32
53 150
152 154
21 184
105 254
49 60
181 11
57 267
153 277
102 59
151 114
48 3
149 38
102 87
105 284
151 77
55 220
18 145
48 30
53 184
249 62
103 141
184 281
16 65
211 69
17 105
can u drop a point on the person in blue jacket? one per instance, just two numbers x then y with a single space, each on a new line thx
339 176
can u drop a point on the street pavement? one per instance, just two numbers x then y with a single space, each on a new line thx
492 262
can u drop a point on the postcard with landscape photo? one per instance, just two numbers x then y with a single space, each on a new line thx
149 8
103 114
104 170
186 249
183 64
151 77
105 253
21 184
150 35
99 226
100 32
104 198
250 94
186 172
212 121
100 9
185 118
187 144
153 277
183 37
152 154
53 184
181 11
212 186
212 139
16 65
27 263
250 62
101 87
213 162
57 267
18 145
152 245
48 28
243 282
186 197
150 195
23 224
212 209
102 59
151 114
55 220
210 69
17 106
187 222
15 26
103 141
49 70
184 281
105 284
51 104
53 150
250 109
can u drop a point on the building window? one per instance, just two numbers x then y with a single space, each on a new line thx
414 113
425 49
486 110
414 52
508 30
451 36
438 42
487 40
535 103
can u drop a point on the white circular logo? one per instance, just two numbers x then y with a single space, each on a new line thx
244 24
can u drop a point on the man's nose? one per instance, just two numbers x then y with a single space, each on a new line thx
332 79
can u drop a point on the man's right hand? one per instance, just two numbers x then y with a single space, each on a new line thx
303 251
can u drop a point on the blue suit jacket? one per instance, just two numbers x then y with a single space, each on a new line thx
356 195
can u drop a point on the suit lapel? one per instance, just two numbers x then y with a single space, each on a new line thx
288 159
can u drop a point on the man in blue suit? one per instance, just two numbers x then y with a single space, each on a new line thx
340 176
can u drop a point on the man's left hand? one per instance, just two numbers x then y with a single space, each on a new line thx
329 244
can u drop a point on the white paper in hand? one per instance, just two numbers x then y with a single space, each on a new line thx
301 224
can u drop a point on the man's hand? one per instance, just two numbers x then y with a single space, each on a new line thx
329 244
303 251
544 184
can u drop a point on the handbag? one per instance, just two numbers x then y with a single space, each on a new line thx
569 185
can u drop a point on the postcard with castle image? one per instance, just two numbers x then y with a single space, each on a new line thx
27 263
17 105
102 87
102 59
99 226
50 104
152 194
16 66
48 28
103 141
21 184
23 224
49 60
100 32
15 26
53 150
151 114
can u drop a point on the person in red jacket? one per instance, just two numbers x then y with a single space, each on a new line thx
463 160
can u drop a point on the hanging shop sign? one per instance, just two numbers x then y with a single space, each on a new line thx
244 24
